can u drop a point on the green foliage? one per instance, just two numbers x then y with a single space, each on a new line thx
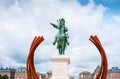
0 76
3 77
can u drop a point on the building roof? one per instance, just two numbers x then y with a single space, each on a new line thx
85 72
114 70
21 69
7 69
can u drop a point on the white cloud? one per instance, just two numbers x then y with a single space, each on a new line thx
21 22
116 18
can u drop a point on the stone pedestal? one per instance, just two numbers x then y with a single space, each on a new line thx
60 67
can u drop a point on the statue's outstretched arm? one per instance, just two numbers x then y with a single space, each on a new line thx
54 25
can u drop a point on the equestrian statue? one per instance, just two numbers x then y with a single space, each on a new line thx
62 36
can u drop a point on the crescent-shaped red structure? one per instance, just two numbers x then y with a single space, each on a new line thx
31 72
102 73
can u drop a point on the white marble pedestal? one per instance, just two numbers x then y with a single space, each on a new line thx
60 67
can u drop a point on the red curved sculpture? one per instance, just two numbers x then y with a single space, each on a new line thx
102 73
31 72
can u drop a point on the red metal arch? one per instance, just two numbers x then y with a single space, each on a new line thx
31 72
102 73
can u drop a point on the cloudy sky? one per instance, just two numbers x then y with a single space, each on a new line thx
22 20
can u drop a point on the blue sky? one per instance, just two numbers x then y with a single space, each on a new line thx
22 20
113 5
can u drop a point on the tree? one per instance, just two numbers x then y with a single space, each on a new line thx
4 77
0 76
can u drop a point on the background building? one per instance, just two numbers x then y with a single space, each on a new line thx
42 76
95 73
21 73
45 75
10 72
85 75
71 77
113 73
49 74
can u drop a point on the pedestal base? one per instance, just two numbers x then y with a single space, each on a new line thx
60 67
